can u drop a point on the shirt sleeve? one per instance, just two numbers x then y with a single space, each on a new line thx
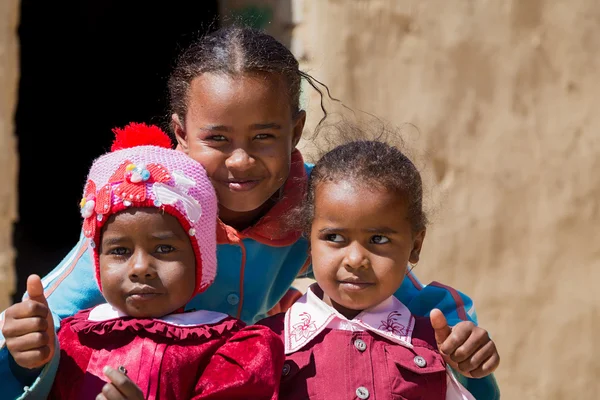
286 301
421 299
247 366
457 307
456 391
69 288
72 286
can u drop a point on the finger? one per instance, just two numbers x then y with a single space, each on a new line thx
111 392
26 309
459 335
35 289
488 367
30 341
33 358
21 327
477 339
122 383
478 358
101 397
440 326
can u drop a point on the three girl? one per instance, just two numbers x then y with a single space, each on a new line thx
235 98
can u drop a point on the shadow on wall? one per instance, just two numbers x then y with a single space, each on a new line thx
86 67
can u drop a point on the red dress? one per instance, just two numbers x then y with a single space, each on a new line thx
195 355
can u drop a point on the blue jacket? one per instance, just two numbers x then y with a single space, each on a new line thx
256 269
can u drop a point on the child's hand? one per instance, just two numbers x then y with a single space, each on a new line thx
120 387
29 328
466 347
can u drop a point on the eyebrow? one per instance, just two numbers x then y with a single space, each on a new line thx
217 128
384 230
155 236
270 125
165 236
113 241
254 127
330 230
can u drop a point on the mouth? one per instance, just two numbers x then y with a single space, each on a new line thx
240 185
355 284
143 293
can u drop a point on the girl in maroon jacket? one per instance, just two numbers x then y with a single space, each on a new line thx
151 213
348 337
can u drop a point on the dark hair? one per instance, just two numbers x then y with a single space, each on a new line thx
236 50
373 163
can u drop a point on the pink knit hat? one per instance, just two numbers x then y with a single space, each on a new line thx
144 171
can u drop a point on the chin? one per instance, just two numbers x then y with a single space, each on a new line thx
356 305
144 312
243 203
241 208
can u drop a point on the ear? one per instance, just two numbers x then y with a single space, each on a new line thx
182 143
417 245
299 122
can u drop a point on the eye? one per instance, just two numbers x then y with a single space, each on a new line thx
334 237
165 248
379 239
118 251
216 138
263 136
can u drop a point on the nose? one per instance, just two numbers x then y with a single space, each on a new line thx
240 160
356 256
142 267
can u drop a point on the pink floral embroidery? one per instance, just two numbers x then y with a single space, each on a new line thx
392 325
303 329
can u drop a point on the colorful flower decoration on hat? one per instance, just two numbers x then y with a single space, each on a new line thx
93 206
132 180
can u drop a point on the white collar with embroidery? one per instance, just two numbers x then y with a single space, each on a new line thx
309 315
105 311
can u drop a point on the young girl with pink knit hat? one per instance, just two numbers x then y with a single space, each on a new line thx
150 213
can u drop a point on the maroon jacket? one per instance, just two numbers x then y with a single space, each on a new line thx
172 358
385 353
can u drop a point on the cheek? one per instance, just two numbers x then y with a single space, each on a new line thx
180 280
390 272
325 263
111 278
210 159
278 163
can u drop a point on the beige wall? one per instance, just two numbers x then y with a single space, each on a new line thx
505 95
8 160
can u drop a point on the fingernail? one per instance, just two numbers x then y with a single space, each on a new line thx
106 369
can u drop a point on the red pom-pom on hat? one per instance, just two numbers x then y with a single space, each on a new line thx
139 134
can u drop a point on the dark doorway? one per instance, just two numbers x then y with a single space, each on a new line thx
86 67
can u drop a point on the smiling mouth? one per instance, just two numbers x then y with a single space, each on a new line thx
241 185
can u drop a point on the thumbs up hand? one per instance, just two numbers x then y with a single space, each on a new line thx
465 347
29 328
